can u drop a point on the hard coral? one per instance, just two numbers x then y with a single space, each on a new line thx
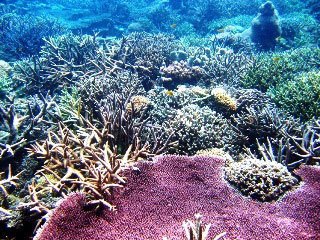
180 73
223 98
137 103
159 196
262 180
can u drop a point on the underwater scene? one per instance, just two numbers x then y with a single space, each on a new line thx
159 119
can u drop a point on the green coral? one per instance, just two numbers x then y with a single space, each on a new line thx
70 102
268 70
300 96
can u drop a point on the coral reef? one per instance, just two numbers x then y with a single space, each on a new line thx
270 69
18 129
93 104
5 80
159 196
306 144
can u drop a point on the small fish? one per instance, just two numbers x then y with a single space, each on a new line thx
276 59
169 93
221 30
173 26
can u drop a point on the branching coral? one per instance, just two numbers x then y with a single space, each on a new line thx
228 67
287 95
258 117
18 130
21 35
5 183
145 53
268 70
65 60
307 146
92 159
100 88
84 163
197 230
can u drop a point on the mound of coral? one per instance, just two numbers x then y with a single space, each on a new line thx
262 180
160 195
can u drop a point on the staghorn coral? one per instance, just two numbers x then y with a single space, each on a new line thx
96 89
258 118
306 146
92 157
298 30
63 61
260 179
145 53
5 80
134 128
5 185
196 230
82 161
271 69
226 66
22 35
18 129
160 195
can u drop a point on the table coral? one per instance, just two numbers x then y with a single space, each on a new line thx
161 195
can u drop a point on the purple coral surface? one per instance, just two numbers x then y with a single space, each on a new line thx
159 197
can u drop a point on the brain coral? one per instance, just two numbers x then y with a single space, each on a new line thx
160 196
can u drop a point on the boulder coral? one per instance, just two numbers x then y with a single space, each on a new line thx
259 179
160 195
265 28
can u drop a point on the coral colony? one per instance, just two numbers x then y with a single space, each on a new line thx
160 120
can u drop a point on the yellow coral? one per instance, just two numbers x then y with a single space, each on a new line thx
222 97
214 152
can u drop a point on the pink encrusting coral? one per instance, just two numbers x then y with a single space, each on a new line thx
161 195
